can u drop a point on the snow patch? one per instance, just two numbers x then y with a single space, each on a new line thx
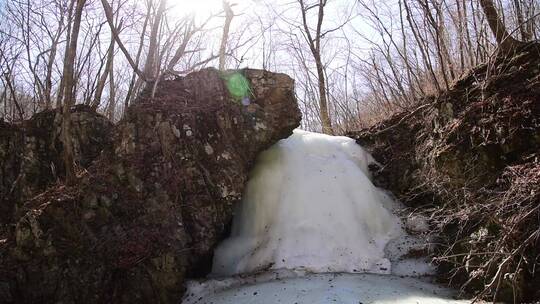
208 149
260 126
226 155
417 224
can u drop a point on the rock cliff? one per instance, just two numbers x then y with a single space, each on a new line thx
149 211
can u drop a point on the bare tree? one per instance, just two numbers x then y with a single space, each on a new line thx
314 41
151 65
8 80
413 48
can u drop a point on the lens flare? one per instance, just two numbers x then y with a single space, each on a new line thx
238 86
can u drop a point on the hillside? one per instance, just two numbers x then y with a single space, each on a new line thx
468 160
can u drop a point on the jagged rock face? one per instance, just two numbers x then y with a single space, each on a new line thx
149 212
30 154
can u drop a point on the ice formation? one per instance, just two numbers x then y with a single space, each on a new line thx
310 204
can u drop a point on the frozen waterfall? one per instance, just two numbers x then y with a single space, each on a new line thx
310 204
309 223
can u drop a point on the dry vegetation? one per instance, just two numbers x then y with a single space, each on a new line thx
468 160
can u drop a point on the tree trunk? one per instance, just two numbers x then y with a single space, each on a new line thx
314 45
151 66
228 19
132 82
111 111
525 35
506 42
13 94
68 94
50 65
103 78
323 102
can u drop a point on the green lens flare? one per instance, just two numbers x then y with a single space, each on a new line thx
238 85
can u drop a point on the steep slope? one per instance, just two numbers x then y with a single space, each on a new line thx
469 160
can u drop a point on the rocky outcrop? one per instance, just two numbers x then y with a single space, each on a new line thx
468 159
150 210
30 153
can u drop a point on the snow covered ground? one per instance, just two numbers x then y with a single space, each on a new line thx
314 229
319 289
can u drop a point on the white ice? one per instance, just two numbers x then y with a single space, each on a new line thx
310 204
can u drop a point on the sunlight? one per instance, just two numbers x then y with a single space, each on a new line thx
197 7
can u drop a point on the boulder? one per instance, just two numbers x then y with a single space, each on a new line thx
150 210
